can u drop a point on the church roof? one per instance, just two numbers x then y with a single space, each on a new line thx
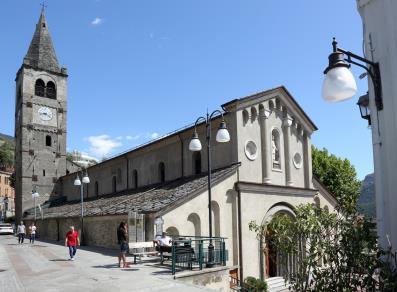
147 199
41 53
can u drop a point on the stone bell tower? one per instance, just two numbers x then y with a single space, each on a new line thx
40 121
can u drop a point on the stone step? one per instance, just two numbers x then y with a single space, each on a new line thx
276 284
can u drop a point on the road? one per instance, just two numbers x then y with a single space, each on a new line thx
45 266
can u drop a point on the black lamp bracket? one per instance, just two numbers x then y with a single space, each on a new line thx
372 70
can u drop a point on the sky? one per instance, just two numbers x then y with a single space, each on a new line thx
141 69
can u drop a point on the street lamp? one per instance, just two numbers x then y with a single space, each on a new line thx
77 182
363 104
35 195
339 83
222 136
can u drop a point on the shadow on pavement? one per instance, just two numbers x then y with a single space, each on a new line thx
59 260
115 266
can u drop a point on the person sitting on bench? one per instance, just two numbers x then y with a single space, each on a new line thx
164 243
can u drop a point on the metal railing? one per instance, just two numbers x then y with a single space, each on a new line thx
192 251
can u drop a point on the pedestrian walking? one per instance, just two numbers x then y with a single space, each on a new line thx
21 230
32 232
122 237
72 241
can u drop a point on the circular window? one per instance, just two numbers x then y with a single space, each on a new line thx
297 160
251 151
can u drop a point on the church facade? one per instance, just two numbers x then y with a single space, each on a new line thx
263 170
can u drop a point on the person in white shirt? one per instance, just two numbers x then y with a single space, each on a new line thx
21 230
164 243
32 231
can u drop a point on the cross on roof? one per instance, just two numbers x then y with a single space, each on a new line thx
43 6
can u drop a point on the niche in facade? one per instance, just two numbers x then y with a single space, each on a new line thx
276 159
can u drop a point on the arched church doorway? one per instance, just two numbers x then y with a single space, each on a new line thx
273 263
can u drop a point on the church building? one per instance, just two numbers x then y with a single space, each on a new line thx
264 169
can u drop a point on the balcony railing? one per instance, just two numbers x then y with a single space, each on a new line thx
190 252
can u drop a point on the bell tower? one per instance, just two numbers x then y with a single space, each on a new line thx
40 121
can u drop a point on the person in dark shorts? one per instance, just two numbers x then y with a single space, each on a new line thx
122 238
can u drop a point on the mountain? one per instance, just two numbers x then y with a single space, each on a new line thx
6 137
366 201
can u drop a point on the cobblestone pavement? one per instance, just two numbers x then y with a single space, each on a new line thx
45 267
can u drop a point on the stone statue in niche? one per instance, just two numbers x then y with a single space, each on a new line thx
275 147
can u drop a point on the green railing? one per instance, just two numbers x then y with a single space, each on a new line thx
190 252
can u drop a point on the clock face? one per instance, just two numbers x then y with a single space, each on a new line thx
45 113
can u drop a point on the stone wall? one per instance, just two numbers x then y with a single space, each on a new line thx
98 231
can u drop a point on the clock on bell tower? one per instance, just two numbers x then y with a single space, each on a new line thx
40 121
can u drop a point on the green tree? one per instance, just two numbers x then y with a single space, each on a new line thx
6 154
339 176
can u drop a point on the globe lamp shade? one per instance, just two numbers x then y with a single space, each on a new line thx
86 179
77 181
195 144
222 135
339 84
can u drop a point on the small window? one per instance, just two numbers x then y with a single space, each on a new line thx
197 162
43 24
114 184
162 172
39 88
48 141
96 189
43 172
135 177
51 90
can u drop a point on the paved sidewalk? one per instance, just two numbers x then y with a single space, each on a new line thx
45 267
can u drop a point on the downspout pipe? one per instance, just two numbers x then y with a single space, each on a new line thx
240 240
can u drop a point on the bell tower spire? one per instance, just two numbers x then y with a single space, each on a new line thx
41 53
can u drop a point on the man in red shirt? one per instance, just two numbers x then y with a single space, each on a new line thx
71 241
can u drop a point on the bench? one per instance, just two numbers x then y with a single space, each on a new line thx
139 246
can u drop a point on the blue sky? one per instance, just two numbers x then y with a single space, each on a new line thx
139 69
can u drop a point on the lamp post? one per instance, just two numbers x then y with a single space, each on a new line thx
35 195
222 136
339 83
77 182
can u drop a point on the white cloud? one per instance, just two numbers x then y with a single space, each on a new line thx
153 135
136 137
102 145
97 21
119 138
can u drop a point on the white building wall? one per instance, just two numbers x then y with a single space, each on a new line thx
380 38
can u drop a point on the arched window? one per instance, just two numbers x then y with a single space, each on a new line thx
96 189
254 114
317 202
216 225
195 219
172 231
48 141
114 184
51 91
39 88
276 149
246 117
161 172
135 178
196 163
